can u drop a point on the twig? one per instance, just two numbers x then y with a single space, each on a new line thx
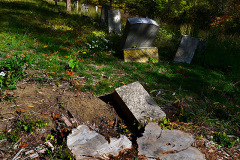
16 156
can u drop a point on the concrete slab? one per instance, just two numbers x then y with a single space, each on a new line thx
136 103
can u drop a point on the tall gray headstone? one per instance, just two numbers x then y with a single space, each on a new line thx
84 8
114 21
139 33
104 14
186 49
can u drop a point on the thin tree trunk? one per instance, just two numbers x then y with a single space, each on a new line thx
68 3
77 6
55 2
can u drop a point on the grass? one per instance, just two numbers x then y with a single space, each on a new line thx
36 35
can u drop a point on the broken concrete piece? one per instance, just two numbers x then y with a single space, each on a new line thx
136 103
168 144
87 144
188 154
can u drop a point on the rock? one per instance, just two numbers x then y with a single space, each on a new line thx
86 144
168 144
189 154
136 103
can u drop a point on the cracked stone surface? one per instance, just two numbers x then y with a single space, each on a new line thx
87 144
167 144
136 103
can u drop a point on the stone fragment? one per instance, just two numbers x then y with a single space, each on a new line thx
139 33
167 144
114 21
141 54
186 49
136 103
86 144
189 154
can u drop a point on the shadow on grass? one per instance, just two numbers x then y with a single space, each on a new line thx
40 23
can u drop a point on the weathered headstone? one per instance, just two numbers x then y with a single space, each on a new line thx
138 39
84 8
186 50
167 144
114 21
96 8
141 54
87 144
136 103
139 32
104 14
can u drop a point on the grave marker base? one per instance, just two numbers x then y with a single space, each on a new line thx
149 54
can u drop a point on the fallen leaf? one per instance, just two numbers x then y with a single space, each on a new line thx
69 73
30 106
45 46
23 145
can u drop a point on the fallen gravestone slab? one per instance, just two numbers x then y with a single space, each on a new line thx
186 50
189 154
139 32
167 144
114 21
149 54
136 103
86 144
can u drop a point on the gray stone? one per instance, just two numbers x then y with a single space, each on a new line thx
114 21
136 103
84 8
139 32
186 50
189 154
167 144
104 14
86 144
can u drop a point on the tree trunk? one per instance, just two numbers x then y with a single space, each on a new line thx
55 2
77 6
68 3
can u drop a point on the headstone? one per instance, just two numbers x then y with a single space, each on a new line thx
139 32
84 8
96 8
167 144
114 21
149 54
137 104
104 14
186 50
87 144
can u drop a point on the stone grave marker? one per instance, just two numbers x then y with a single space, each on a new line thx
186 49
104 14
84 8
96 8
114 21
138 39
139 32
137 104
